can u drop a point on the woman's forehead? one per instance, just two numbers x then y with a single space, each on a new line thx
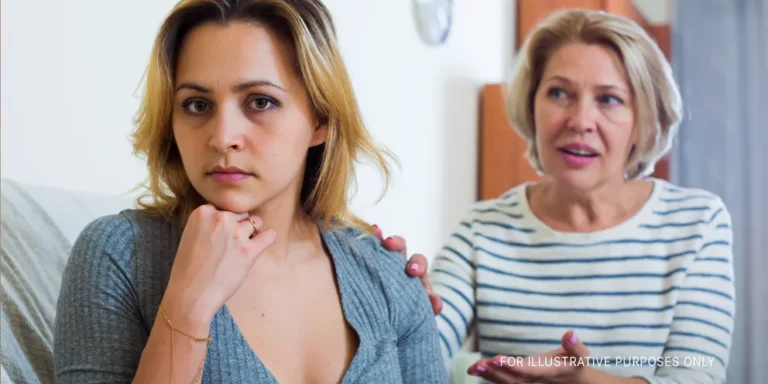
593 64
216 55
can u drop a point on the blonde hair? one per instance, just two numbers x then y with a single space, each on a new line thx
307 25
657 98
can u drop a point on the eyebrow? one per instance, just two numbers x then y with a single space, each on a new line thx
603 86
238 88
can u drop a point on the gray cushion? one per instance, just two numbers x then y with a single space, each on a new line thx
34 253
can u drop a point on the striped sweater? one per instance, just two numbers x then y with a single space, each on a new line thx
652 297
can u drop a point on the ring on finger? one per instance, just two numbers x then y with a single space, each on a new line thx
255 228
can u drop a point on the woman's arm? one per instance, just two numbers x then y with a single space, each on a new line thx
700 334
419 348
413 321
100 336
167 347
453 279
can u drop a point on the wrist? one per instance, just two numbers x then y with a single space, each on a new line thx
586 376
190 313
591 375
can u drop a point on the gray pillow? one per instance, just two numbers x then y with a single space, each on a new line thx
32 259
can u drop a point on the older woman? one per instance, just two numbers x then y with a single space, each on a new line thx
244 265
597 273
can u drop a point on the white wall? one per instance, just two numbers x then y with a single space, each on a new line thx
656 11
71 69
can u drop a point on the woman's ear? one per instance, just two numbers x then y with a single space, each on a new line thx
320 135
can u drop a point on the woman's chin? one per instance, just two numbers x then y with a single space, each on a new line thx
233 203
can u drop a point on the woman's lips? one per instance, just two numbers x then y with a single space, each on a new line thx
229 174
229 177
577 161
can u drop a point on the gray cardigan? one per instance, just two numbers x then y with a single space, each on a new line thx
119 268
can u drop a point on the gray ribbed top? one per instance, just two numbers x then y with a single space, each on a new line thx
118 271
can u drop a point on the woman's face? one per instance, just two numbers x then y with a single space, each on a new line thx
584 116
242 119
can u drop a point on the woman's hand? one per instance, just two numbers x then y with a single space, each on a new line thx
566 364
416 267
215 254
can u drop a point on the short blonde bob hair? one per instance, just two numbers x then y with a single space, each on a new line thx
307 26
658 104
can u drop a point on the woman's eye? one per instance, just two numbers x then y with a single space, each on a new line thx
609 100
196 107
557 93
262 103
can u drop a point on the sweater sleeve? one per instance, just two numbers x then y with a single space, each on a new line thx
699 340
410 313
419 349
453 278
99 335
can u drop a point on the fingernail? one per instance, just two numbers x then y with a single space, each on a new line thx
414 267
480 368
574 339
495 363
389 238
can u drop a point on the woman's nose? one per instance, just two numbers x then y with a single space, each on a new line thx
227 129
584 117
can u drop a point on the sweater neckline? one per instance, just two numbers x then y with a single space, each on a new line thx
335 247
621 228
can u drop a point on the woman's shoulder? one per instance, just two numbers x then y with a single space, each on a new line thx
674 202
122 240
365 261
364 253
120 229
669 190
510 198
109 231
508 204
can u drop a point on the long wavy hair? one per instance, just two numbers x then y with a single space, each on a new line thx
307 26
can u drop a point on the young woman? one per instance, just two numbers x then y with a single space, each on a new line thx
245 264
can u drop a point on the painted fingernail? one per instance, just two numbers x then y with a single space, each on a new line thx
496 363
574 339
414 267
480 368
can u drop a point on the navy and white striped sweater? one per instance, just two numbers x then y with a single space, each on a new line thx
652 297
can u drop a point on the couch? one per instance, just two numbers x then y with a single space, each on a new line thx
39 226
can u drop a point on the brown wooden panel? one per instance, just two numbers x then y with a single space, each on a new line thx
502 152
531 12
662 33
662 171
